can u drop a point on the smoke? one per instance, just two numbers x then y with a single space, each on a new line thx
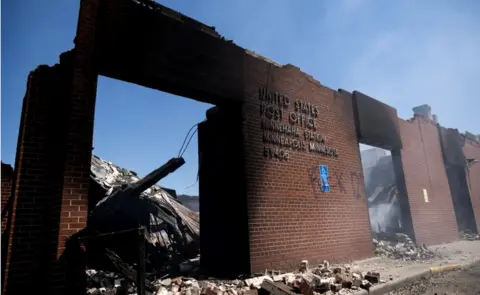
383 206
384 217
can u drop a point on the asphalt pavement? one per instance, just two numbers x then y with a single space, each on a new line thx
460 282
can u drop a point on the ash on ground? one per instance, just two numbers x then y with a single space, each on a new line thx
401 246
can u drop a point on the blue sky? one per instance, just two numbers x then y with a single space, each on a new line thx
404 53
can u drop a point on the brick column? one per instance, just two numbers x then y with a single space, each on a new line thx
433 214
52 173
38 179
80 126
79 137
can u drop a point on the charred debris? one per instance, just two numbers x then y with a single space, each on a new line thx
387 220
322 279
141 239
135 218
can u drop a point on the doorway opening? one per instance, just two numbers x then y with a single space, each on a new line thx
381 190
139 129
388 206
139 182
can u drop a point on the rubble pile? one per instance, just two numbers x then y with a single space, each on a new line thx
100 282
131 209
464 235
322 279
402 247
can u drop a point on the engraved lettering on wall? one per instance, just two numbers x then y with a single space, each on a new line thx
290 125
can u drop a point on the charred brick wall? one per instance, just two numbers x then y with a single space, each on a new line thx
471 149
224 245
148 44
421 155
453 144
7 178
371 113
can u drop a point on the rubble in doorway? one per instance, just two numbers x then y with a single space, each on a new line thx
465 235
401 246
322 279
131 211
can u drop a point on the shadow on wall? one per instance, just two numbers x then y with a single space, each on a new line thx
222 186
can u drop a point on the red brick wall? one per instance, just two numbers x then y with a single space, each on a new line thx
52 173
433 222
290 219
39 156
472 151
79 136
32 196
7 177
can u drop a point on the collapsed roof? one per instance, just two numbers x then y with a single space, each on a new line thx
126 203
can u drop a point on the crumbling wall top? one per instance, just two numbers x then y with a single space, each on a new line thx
150 4
472 137
259 56
6 169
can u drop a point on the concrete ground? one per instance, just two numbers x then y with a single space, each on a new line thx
461 282
459 252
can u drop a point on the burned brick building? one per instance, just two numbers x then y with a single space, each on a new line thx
284 147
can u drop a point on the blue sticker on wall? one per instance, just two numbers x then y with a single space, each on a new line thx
325 186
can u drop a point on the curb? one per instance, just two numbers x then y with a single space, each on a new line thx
439 269
427 273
